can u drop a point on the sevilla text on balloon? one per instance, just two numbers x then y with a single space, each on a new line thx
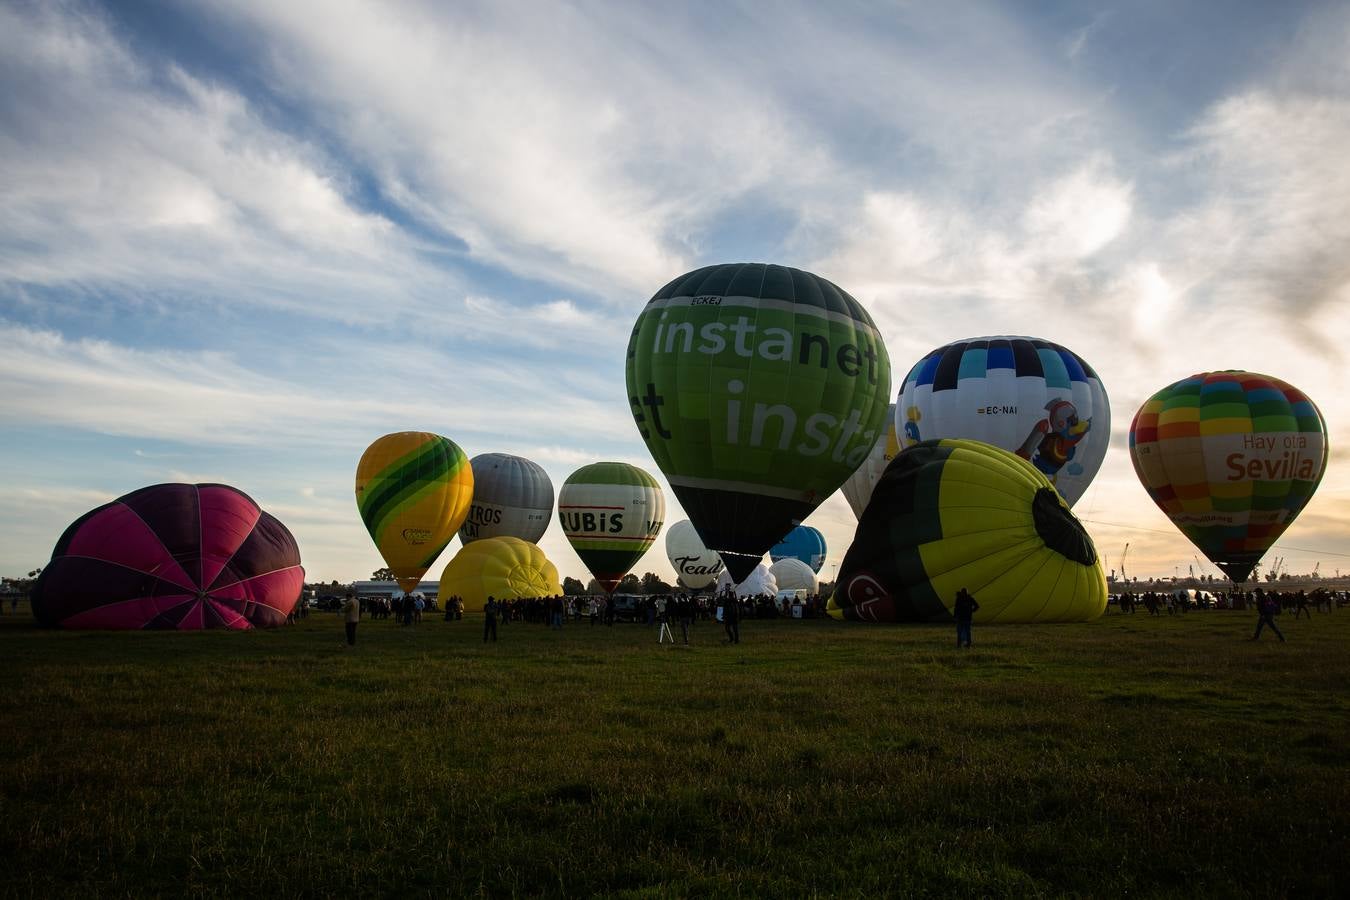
1289 465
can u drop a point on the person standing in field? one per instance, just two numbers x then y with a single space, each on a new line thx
663 612
351 617
490 619
1267 607
684 608
1301 604
964 611
555 613
731 617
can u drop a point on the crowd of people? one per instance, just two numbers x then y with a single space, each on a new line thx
679 610
666 612
1267 604
659 611
1175 602
553 611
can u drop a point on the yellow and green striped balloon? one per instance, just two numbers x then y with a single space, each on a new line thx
954 514
413 491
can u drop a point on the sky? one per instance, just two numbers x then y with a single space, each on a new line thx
240 240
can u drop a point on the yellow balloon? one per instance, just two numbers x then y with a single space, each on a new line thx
413 490
506 568
953 514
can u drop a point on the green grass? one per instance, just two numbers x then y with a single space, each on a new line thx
1129 756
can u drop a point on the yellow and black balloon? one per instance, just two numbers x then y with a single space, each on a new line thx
954 514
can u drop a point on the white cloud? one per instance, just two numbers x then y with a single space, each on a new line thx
1079 214
1080 39
210 398
545 137
188 191
902 253
1273 227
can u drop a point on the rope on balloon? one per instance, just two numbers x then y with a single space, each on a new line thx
1284 547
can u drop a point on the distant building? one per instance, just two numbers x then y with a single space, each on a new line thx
389 590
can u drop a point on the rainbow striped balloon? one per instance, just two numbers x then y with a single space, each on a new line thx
1231 458
413 491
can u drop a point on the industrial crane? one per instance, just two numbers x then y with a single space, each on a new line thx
1274 573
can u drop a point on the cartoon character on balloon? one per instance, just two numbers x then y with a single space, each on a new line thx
1054 439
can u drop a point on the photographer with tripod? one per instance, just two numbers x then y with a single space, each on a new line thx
663 621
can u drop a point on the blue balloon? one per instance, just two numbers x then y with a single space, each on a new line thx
804 543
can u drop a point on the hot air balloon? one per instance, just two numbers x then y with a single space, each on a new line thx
791 574
759 389
696 565
804 543
958 514
503 567
611 513
176 556
1035 398
857 490
511 496
1231 458
413 491
759 582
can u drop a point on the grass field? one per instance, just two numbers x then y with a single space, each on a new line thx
1165 756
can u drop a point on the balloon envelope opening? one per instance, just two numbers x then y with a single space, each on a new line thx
740 565
1238 571
1060 530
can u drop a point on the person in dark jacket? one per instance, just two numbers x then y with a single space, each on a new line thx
1268 608
731 617
684 609
490 619
964 610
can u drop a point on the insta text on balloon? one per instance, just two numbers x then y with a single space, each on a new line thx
772 344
